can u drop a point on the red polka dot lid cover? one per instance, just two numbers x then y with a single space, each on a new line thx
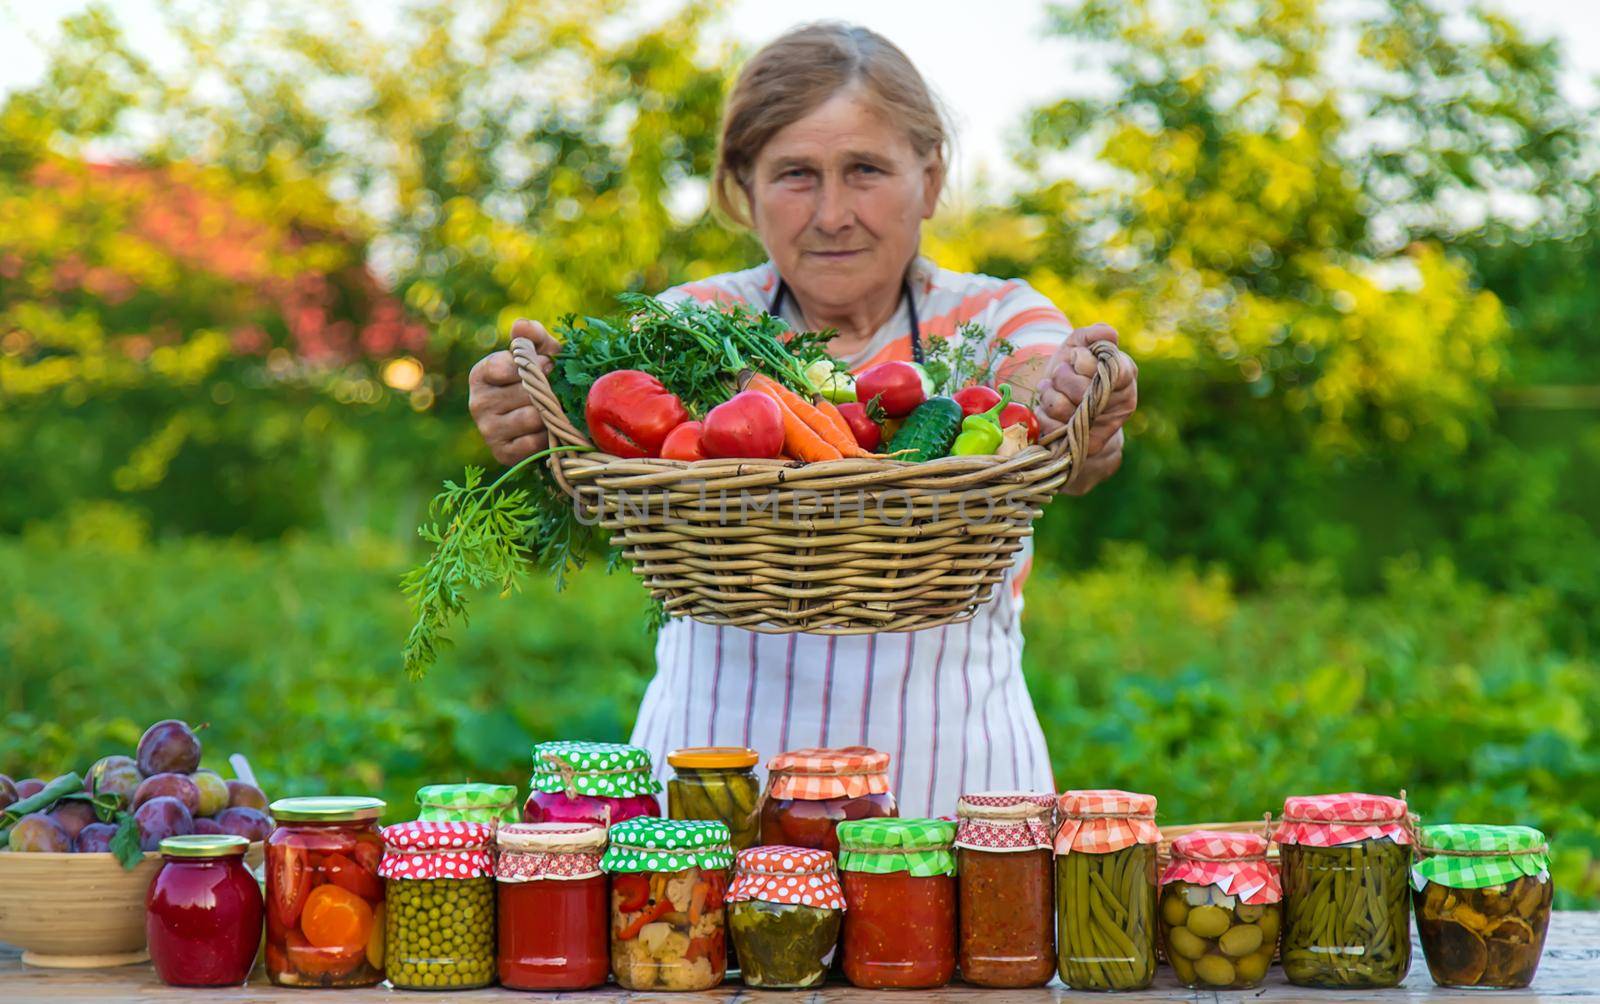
437 849
799 876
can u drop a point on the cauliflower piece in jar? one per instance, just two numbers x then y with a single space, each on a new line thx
710 923
680 889
652 936
682 974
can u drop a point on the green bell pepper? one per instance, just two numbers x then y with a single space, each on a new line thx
980 433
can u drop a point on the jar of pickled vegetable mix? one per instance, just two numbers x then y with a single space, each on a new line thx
600 783
325 904
203 912
439 933
717 782
784 911
1106 889
552 908
900 895
1346 911
468 802
668 893
1482 895
810 791
1221 910
1006 880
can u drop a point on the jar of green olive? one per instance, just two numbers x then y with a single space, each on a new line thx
439 929
1221 910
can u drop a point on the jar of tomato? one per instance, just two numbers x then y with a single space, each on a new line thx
203 912
810 791
1006 879
900 898
1482 896
1106 889
581 782
552 906
470 802
717 782
439 928
324 897
1221 910
784 911
668 889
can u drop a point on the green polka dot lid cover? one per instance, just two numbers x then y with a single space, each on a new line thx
648 844
607 770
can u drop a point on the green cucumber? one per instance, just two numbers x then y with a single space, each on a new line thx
929 432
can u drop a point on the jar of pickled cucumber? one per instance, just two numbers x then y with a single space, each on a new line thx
439 884
717 782
811 791
468 802
583 782
668 902
1006 879
784 911
1482 896
1346 909
1221 910
1106 889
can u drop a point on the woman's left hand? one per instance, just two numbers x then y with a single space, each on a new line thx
1067 381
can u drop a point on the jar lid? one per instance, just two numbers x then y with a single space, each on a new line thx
327 809
800 876
204 845
1469 856
821 772
1235 863
713 757
649 844
606 770
919 846
1102 820
432 849
470 801
531 851
1005 820
1330 820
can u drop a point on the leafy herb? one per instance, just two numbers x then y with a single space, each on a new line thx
125 842
966 358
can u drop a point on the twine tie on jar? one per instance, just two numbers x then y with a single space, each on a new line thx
569 775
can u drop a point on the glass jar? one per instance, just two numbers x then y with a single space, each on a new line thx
1482 895
469 802
552 906
811 791
1106 889
1006 883
784 915
717 782
439 932
203 912
1221 910
581 782
324 897
1346 911
668 912
900 896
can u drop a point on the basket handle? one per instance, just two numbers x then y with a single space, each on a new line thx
560 429
1067 442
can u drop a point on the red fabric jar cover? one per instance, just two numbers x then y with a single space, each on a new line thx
1236 863
1330 820
1005 820
561 851
821 773
1102 820
433 849
799 876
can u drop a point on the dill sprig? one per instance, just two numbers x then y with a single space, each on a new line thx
964 359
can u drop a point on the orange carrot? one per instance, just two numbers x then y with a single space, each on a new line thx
830 413
799 440
808 415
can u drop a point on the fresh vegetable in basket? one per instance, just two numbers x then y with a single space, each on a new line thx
750 424
980 432
683 443
929 432
897 387
868 434
630 413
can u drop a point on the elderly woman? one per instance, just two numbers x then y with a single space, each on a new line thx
833 151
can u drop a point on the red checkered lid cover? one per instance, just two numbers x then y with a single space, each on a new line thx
799 876
1236 863
1005 820
1330 820
819 773
531 851
1102 820
432 849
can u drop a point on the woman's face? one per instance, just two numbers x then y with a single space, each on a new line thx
838 199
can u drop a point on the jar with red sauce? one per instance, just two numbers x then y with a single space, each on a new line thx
583 782
1005 871
811 791
324 897
552 906
900 902
203 912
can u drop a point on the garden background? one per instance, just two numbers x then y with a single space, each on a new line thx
1352 246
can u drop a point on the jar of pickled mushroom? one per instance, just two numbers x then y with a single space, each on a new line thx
1005 875
439 934
668 895
717 782
810 791
1221 910
469 802
203 912
1482 895
784 913
325 906
1346 911
600 783
1106 889
900 898
552 906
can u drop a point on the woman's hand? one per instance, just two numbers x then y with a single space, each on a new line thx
1067 381
506 419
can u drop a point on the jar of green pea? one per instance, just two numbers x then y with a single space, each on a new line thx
439 915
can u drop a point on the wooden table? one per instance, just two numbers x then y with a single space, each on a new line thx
1571 969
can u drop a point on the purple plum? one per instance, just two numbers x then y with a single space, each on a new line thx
251 824
178 786
8 791
95 838
167 747
37 832
246 794
162 817
73 815
114 775
29 787
213 791
207 825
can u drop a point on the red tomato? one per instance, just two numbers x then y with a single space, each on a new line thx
683 443
749 424
1013 413
344 872
288 885
866 431
976 399
630 413
898 387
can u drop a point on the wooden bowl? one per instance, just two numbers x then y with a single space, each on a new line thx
77 911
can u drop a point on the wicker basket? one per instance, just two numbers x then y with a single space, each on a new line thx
843 547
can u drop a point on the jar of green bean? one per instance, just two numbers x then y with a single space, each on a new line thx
439 925
1106 890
